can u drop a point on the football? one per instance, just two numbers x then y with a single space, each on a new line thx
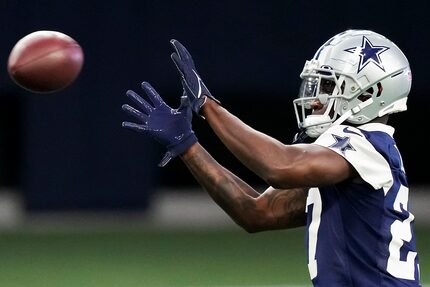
45 61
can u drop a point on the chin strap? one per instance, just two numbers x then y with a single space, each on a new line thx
353 111
303 137
300 137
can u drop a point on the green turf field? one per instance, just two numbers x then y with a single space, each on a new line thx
161 258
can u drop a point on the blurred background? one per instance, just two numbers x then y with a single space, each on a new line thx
82 201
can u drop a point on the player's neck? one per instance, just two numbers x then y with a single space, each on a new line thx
382 120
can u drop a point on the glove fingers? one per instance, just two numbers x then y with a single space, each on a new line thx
134 112
134 126
188 90
178 63
152 94
182 52
144 105
179 48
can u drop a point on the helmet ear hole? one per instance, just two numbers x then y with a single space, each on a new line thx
366 95
342 87
379 85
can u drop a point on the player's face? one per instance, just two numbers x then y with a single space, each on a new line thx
317 107
326 87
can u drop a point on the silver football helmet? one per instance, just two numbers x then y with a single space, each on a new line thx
358 75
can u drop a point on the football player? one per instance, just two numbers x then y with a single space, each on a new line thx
347 184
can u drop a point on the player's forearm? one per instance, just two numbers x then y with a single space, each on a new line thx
273 209
262 154
233 195
217 180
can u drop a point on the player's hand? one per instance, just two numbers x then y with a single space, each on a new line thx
170 127
193 85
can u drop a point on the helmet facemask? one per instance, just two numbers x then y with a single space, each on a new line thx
315 105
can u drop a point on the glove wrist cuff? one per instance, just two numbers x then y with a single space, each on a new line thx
203 102
184 144
177 149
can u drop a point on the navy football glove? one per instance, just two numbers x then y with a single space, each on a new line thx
193 85
170 127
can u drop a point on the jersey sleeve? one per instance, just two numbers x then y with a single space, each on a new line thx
350 143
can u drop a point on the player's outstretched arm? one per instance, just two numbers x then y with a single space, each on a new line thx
281 166
172 128
273 209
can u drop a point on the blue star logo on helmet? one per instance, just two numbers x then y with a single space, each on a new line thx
368 53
